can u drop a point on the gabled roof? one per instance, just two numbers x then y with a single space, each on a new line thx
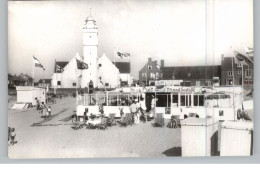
124 67
191 72
61 64
44 81
226 63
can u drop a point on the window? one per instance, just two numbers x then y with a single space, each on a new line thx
239 64
239 72
58 83
164 100
221 113
152 75
156 75
143 74
230 73
197 83
73 84
175 100
248 73
198 100
149 67
208 83
229 82
185 100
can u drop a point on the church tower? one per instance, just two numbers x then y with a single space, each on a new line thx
90 46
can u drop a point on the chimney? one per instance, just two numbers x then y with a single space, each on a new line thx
155 62
149 59
162 63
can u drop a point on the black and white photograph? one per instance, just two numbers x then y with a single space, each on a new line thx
130 78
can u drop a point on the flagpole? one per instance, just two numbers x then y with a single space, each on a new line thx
233 86
33 67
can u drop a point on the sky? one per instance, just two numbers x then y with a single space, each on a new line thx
173 30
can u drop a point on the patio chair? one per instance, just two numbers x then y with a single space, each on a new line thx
159 120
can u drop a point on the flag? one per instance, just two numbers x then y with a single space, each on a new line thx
242 57
81 65
59 69
123 55
249 50
37 63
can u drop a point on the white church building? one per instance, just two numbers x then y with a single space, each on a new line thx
101 71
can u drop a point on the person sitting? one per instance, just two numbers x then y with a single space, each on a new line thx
172 123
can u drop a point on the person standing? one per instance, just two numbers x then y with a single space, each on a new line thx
133 110
143 109
137 117
43 110
37 104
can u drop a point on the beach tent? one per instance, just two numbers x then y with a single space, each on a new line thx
27 94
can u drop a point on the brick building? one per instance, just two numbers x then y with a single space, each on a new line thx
150 73
240 69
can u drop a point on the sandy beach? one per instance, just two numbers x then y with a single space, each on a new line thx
56 138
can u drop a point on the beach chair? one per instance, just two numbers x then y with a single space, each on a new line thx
149 115
103 123
174 122
126 120
78 123
159 120
111 119
129 118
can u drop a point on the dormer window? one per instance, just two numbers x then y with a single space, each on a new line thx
149 67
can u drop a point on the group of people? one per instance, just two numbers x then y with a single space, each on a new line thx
43 109
137 108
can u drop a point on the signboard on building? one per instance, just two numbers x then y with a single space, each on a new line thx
168 82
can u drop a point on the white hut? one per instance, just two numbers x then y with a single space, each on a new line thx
27 94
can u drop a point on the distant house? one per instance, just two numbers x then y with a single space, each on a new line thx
59 67
240 68
28 79
126 78
149 73
193 75
14 81
43 83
